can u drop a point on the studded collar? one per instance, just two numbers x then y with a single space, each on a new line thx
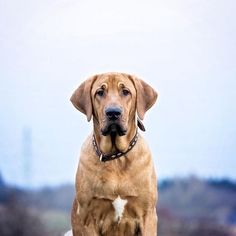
109 157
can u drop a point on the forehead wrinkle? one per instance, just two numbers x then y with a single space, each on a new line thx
120 81
101 80
125 84
104 85
114 80
121 85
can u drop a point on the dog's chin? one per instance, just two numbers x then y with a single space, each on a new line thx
113 129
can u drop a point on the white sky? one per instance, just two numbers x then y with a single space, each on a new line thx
186 49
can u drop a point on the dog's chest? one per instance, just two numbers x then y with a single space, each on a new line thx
120 214
115 198
111 185
115 202
110 216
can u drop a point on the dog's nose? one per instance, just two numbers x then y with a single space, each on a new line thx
113 113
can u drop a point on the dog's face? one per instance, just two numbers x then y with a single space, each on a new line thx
113 99
114 103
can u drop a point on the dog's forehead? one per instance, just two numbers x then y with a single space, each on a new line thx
113 80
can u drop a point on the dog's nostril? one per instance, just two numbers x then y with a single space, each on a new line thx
113 113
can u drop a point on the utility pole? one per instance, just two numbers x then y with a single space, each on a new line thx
27 155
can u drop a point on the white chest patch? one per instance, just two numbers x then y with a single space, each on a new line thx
119 205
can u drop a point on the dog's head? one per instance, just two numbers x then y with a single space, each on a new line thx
113 100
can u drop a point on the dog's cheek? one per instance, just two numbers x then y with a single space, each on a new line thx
129 118
105 144
102 123
121 143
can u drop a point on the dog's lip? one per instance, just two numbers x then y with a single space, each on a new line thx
113 129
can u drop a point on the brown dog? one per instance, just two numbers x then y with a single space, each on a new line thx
116 186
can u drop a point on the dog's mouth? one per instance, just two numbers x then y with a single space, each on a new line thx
113 129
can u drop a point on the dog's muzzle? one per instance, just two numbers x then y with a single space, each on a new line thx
113 125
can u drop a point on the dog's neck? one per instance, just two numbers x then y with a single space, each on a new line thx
114 143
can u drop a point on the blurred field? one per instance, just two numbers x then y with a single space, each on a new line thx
186 207
193 207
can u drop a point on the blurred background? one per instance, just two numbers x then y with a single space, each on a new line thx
185 49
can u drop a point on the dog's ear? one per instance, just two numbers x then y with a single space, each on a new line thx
146 96
81 98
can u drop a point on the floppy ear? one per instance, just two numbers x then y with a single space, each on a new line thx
146 96
81 98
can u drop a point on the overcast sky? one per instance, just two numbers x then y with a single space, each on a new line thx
186 49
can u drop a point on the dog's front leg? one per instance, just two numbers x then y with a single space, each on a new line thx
150 224
82 227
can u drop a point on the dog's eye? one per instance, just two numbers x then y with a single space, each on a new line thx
100 92
125 92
